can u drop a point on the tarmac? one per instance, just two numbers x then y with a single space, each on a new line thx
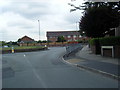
85 59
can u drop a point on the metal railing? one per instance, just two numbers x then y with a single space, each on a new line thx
72 48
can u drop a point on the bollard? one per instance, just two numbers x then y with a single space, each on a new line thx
45 45
12 49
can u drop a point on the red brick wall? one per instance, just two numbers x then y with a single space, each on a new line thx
26 39
117 51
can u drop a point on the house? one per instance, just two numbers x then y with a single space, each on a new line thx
24 41
68 35
113 32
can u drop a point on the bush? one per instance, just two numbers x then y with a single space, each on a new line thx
105 41
109 41
94 41
80 41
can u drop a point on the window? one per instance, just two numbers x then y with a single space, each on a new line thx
80 36
74 36
51 37
69 40
69 36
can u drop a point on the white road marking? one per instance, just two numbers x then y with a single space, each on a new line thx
24 55
36 74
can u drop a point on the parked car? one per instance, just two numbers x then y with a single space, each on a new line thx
5 46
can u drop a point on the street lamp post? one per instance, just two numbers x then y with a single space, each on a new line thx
39 28
76 25
77 30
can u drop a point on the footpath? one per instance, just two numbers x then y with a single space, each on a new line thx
85 59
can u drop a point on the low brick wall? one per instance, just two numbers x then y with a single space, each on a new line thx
117 51
95 49
106 52
23 50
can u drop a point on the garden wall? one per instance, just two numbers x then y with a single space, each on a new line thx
23 50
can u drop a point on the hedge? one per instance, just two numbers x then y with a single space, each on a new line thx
105 41
94 41
109 41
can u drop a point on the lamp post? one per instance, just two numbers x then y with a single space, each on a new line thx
77 25
77 30
39 28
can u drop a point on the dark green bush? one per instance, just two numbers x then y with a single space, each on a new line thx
107 41
94 41
80 41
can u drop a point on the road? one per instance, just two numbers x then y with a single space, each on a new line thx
46 69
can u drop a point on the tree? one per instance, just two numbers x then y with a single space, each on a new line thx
99 17
39 41
3 43
19 40
44 41
12 43
61 39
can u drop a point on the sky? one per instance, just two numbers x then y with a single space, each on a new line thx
20 17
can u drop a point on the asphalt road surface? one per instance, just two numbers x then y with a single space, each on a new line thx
46 69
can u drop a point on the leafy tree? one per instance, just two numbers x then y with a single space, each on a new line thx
39 41
44 41
11 43
3 43
19 40
14 43
61 39
98 17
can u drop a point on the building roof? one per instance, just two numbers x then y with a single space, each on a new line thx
62 33
26 39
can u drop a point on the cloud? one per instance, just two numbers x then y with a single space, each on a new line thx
20 17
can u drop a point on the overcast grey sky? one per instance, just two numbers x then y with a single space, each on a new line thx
20 17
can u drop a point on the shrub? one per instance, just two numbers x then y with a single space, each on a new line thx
94 41
109 41
105 41
80 41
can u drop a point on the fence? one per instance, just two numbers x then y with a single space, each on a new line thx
72 48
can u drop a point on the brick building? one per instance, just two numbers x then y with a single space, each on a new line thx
24 41
68 35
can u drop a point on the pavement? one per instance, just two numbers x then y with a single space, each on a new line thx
85 59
